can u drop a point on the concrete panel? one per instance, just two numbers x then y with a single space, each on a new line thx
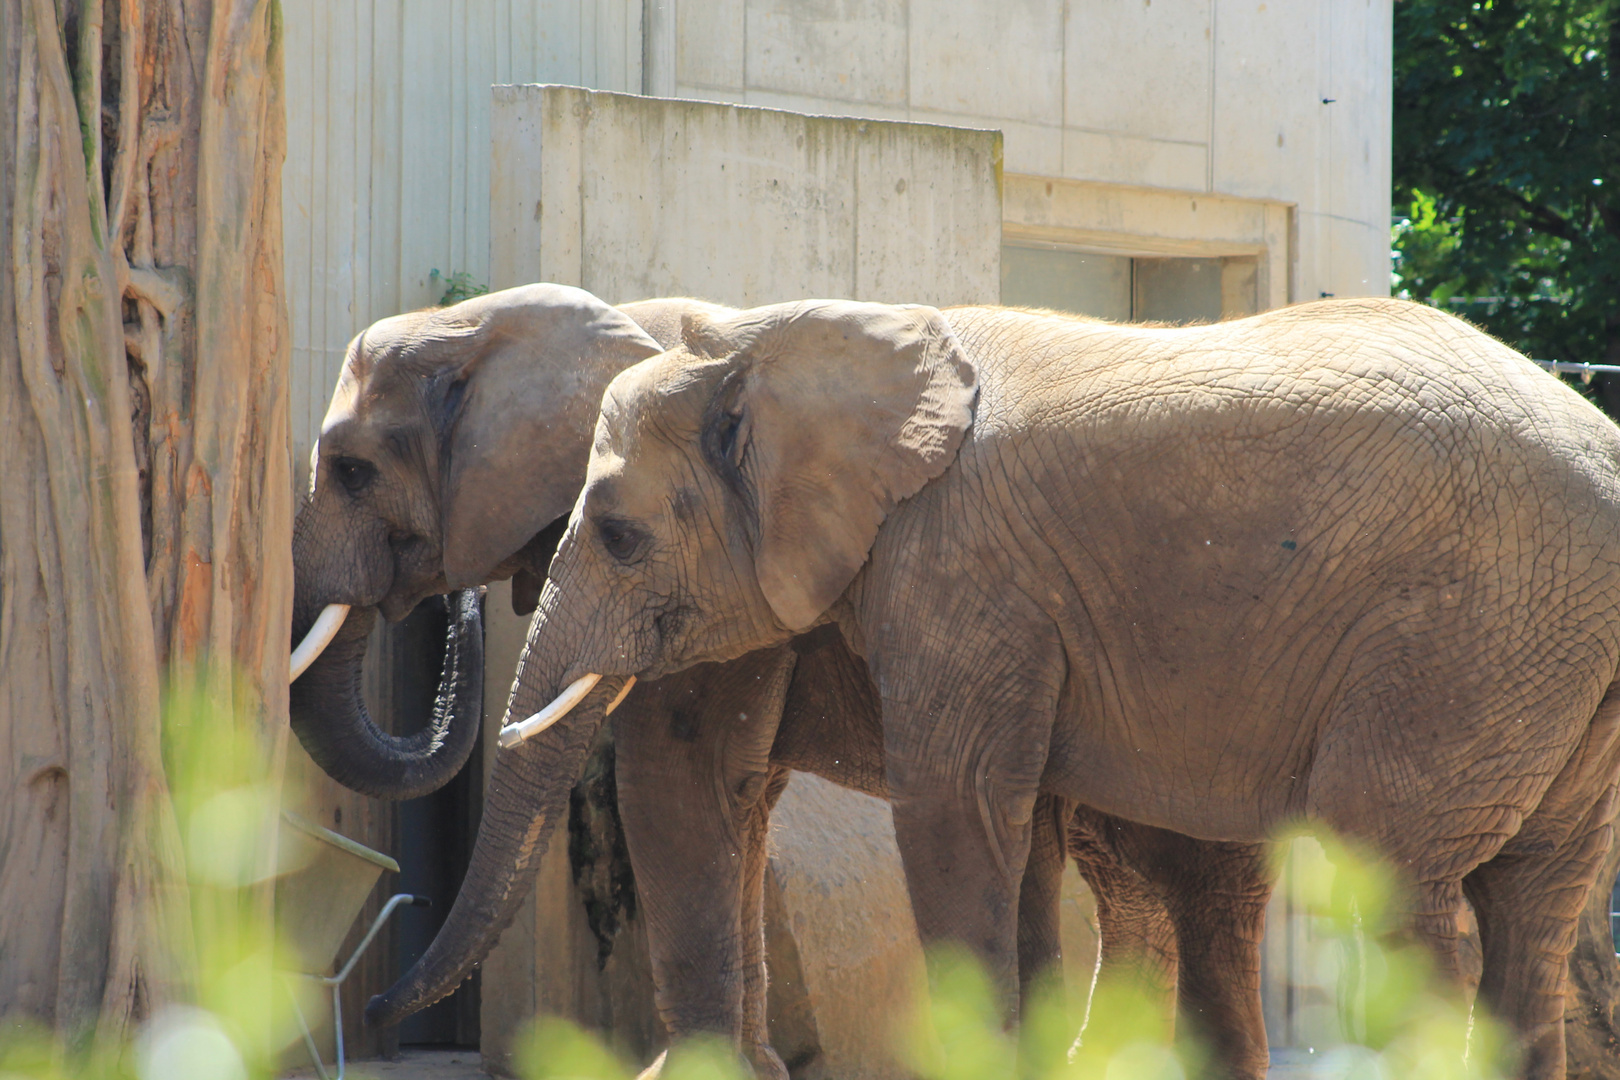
1269 88
1139 69
709 43
846 50
1000 58
1358 135
1125 159
646 197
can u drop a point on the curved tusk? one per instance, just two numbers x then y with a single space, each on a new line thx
623 691
512 734
319 637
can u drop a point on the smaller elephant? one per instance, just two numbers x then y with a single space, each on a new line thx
1375 585
452 452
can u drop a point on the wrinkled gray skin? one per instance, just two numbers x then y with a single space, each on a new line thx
431 409
1352 562
461 413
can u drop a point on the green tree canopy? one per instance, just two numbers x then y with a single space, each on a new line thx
1507 142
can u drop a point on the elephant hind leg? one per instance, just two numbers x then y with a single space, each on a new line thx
1216 894
1529 898
1528 909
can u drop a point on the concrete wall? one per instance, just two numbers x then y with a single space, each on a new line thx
1284 101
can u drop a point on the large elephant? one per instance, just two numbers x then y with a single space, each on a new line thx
455 445
1353 562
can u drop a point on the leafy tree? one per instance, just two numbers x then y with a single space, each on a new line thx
1506 168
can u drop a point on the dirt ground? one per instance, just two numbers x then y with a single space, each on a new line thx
464 1065
411 1065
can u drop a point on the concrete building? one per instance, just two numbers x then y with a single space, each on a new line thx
1160 159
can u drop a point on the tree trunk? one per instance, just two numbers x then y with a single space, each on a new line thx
1592 1001
145 524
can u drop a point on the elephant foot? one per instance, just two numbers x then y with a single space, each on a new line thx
767 1064
762 1059
656 1069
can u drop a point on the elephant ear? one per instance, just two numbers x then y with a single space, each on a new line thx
833 413
517 411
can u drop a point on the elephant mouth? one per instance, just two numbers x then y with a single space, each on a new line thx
329 714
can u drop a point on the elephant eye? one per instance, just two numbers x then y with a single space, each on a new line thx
354 474
622 540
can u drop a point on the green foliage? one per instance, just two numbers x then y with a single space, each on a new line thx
458 286
554 1049
1399 1021
1507 142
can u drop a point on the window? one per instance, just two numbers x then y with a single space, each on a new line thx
1127 289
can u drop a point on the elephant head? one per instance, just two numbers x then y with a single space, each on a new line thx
735 485
454 438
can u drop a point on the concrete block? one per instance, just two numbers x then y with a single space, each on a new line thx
633 197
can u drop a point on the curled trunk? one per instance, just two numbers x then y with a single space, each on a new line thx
330 718
527 796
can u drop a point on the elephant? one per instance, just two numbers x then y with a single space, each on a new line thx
453 450
1351 562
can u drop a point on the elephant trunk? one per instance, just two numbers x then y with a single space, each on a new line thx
329 715
526 797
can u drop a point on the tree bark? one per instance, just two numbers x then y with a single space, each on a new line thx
145 523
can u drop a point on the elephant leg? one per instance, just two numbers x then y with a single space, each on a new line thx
964 840
1216 896
693 770
753 831
1528 899
1526 942
1136 946
963 881
1040 896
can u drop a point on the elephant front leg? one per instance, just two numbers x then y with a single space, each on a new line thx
1040 897
694 795
754 830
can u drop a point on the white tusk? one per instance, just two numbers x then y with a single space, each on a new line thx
512 734
623 690
319 637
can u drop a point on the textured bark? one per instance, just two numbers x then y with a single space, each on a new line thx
1592 1000
145 521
